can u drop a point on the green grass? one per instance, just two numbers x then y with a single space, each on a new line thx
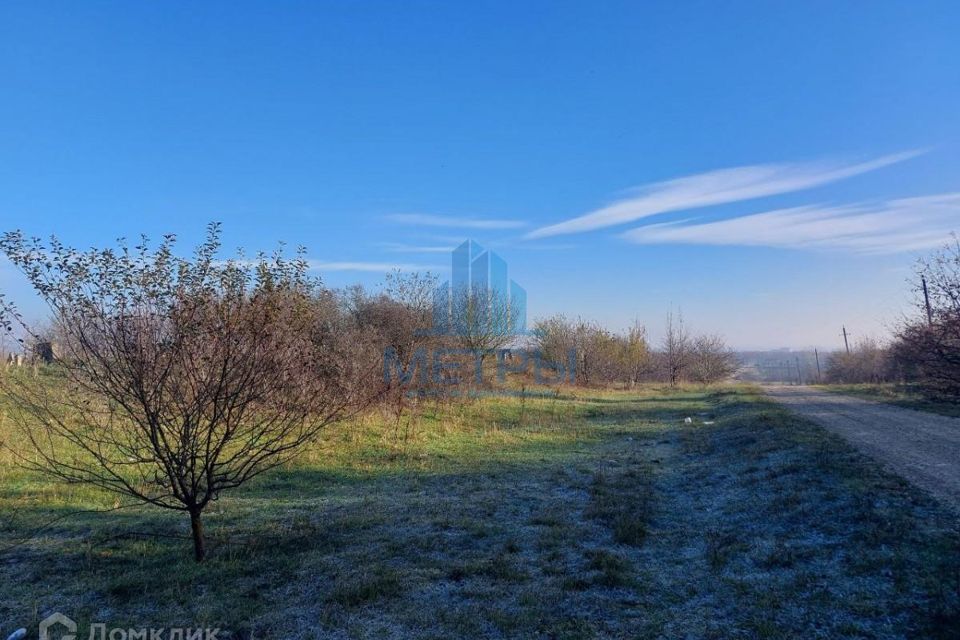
588 515
906 396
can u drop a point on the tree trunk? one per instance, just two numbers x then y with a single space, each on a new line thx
196 527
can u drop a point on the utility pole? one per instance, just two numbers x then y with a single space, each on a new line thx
926 300
846 342
816 355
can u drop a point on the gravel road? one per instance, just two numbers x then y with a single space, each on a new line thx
922 447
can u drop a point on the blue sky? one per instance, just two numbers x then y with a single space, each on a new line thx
771 168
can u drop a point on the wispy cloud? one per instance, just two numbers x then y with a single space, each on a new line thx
905 224
717 187
376 267
453 222
397 247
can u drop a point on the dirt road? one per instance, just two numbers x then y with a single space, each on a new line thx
922 447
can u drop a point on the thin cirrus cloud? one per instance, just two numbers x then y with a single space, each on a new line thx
398 247
905 224
342 265
375 267
426 220
717 187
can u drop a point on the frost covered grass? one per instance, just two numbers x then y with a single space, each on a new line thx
906 396
587 515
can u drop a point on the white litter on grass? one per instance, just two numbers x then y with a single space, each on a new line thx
708 422
688 420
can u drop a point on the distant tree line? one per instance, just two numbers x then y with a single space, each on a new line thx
604 357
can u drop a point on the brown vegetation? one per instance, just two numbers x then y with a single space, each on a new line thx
176 379
925 350
181 379
604 357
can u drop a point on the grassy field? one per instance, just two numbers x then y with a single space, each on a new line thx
588 515
899 395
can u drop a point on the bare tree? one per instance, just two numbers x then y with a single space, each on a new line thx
927 348
868 361
415 291
482 320
595 350
554 338
710 360
602 356
399 321
638 360
599 354
676 347
183 377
